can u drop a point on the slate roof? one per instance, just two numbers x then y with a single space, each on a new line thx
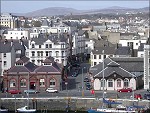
123 51
47 69
141 47
54 38
103 43
17 69
107 50
5 48
123 66
45 23
49 60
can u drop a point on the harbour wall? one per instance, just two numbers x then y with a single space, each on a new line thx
60 103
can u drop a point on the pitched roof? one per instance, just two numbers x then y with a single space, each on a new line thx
107 50
45 23
121 65
123 51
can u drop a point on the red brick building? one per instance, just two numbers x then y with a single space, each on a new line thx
25 73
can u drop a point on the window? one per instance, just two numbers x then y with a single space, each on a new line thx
50 53
94 56
21 33
95 63
104 56
52 83
118 83
33 46
46 46
102 83
57 52
46 53
33 61
39 46
99 56
12 83
5 63
4 55
110 83
62 53
41 53
126 82
50 45
38 53
23 83
33 53
42 82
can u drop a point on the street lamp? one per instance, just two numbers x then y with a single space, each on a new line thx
82 82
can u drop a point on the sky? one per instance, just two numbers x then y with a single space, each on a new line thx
25 6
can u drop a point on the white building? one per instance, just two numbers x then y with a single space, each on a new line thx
78 40
17 34
134 43
10 52
42 47
8 20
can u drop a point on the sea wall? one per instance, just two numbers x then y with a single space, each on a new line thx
61 103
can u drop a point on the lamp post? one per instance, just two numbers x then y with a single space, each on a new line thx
103 78
82 82
66 83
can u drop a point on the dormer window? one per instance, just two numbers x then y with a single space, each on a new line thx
19 64
48 64
33 46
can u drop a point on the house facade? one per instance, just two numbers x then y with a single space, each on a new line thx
17 34
9 20
118 73
39 78
42 47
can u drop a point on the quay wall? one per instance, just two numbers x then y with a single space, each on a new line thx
81 104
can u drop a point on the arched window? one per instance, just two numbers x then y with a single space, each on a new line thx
110 83
126 83
23 83
52 82
102 82
12 83
118 83
42 82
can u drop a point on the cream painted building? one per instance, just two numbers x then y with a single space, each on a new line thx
8 20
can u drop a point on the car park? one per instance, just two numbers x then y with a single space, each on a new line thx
147 96
31 91
14 91
125 90
51 90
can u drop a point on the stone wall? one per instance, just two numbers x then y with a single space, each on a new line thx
60 104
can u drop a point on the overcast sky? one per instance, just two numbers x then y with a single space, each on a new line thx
32 5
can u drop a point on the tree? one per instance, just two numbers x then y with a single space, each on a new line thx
36 23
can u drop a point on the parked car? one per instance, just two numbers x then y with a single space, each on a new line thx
147 96
138 96
74 74
51 90
86 79
88 86
31 91
125 90
14 91
148 90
